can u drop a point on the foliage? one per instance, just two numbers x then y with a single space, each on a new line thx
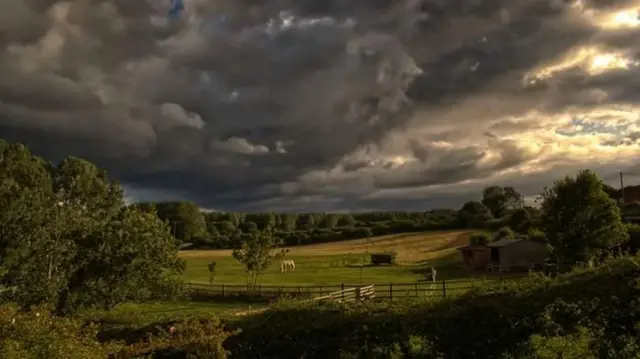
191 338
67 241
505 233
581 221
474 214
480 239
521 220
500 199
537 235
133 258
36 334
257 252
590 313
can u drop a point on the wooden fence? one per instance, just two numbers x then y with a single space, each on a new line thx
351 295
387 291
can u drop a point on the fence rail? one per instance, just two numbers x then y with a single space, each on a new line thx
388 291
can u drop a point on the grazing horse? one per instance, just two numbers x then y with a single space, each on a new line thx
287 265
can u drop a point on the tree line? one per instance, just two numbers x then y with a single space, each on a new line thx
223 230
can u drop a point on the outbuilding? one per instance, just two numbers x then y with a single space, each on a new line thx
476 257
519 252
505 253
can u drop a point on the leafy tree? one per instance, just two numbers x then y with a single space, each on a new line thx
330 221
257 252
66 240
474 214
581 221
521 220
500 199
185 218
347 221
612 192
82 185
133 258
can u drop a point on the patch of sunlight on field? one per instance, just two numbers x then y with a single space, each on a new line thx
341 262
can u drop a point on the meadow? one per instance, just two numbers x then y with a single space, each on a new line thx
344 262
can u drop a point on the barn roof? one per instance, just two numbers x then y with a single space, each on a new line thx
504 242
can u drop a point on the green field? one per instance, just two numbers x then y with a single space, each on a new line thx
341 262
327 264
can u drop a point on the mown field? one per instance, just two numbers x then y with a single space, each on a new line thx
345 262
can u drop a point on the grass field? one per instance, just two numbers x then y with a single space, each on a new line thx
341 262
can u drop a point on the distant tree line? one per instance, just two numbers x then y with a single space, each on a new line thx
500 209
224 230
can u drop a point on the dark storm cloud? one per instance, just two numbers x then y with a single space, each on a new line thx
241 112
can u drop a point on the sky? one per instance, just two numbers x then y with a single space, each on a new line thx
326 105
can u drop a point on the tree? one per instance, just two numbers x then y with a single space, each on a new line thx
212 271
474 214
82 185
185 218
612 192
580 220
132 258
67 241
520 220
500 199
257 252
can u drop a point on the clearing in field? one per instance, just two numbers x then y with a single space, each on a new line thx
342 262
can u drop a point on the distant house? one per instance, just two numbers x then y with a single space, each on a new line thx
520 252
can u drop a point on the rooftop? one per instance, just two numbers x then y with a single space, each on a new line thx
504 242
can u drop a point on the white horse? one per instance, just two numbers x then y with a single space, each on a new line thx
287 265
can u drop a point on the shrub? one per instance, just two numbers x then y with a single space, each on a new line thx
537 235
505 233
37 334
480 238
191 338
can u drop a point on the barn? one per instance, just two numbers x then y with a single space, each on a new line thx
520 252
476 257
507 253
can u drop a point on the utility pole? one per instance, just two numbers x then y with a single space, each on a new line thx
621 188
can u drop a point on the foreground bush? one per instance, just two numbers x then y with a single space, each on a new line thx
590 313
36 334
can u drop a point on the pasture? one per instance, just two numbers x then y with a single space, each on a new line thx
345 261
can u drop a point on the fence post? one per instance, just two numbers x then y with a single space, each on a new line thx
390 291
444 288
342 291
358 294
416 286
260 290
224 292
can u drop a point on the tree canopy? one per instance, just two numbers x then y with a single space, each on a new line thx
581 221
66 239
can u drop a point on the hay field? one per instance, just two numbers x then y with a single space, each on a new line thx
341 262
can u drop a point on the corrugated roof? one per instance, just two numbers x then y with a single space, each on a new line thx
504 242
